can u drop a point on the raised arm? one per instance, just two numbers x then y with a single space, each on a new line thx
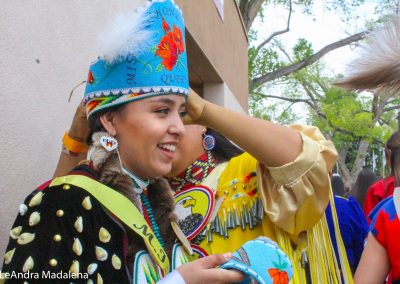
271 144
76 134
293 162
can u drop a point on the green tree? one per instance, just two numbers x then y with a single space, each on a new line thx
353 122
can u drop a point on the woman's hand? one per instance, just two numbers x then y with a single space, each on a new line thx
204 270
195 107
79 129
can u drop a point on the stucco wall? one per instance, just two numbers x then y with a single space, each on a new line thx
46 47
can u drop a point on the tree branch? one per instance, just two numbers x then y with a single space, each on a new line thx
306 62
391 108
382 121
311 92
393 101
323 87
289 99
274 34
360 158
344 171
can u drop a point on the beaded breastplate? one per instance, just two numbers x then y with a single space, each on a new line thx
195 173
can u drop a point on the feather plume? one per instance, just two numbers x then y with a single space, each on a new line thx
127 35
378 67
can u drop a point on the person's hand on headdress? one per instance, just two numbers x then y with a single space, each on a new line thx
79 129
195 107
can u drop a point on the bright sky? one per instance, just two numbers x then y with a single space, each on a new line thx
322 29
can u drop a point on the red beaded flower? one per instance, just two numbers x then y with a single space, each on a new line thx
171 46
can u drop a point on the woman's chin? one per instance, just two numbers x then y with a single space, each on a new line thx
162 171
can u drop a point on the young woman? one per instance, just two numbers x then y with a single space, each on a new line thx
111 219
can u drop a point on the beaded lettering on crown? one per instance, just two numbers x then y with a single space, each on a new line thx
109 143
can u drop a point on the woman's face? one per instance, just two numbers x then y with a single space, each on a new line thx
148 132
189 149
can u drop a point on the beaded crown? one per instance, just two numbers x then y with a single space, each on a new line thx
145 56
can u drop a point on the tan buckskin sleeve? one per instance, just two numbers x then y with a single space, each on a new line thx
296 195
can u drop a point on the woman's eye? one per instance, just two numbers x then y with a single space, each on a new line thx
163 110
182 113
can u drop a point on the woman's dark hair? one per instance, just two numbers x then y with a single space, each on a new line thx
95 123
366 177
393 145
224 149
337 185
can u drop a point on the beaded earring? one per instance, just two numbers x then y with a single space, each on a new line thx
108 142
208 142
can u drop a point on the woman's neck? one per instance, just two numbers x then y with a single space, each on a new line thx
138 183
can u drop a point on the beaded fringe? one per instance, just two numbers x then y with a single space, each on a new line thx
247 216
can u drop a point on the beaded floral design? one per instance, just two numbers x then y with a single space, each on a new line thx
170 47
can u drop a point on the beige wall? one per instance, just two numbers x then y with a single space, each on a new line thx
224 43
46 47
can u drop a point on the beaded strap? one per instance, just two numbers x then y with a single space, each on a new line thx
195 173
154 224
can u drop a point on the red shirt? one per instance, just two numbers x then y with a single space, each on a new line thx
377 192
385 227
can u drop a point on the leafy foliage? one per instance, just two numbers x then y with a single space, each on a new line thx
353 121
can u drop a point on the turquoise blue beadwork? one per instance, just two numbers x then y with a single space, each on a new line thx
154 225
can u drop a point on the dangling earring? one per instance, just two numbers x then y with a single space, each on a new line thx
208 142
110 143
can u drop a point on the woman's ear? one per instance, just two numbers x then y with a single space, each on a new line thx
107 122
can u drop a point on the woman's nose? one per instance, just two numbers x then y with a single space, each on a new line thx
177 126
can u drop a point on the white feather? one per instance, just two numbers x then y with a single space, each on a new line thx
378 66
126 35
382 46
